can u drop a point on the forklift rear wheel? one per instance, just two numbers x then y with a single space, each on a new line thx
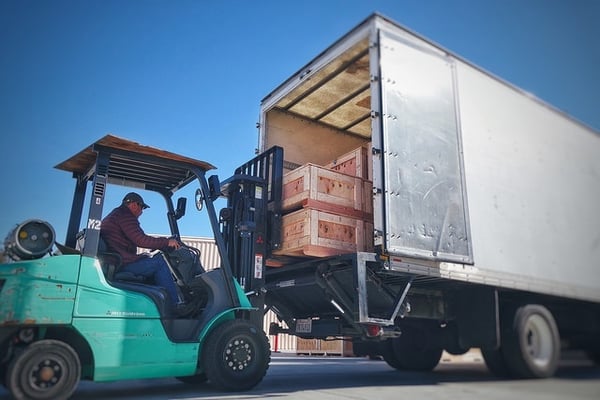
236 355
47 369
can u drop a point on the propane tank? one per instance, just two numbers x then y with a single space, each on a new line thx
29 240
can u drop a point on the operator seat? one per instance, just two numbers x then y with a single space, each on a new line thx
111 262
126 280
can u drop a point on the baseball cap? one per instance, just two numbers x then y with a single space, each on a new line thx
133 197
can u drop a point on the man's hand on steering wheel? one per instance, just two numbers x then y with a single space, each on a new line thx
174 244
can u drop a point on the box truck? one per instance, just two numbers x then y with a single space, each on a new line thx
483 203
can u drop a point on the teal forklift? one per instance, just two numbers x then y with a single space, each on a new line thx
68 314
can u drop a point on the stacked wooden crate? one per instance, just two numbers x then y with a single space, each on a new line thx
322 347
328 210
357 163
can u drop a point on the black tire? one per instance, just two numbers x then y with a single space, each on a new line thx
415 350
591 347
389 355
372 350
456 350
193 379
594 355
531 345
494 360
450 339
47 369
236 355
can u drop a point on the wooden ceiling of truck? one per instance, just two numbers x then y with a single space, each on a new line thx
338 95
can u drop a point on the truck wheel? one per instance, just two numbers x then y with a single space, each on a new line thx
47 369
494 360
594 355
389 355
456 350
531 346
236 355
371 350
414 350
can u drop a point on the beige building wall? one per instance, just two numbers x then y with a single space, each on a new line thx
209 254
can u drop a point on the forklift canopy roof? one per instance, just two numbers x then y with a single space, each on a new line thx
135 164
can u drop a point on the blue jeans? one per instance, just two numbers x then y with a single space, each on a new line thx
157 269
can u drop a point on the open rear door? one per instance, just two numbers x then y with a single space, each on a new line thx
425 208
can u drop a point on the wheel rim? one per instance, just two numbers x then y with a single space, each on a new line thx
46 374
538 341
238 354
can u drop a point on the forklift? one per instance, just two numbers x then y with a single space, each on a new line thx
68 314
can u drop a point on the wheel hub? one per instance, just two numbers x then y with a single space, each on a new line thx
46 374
238 354
538 341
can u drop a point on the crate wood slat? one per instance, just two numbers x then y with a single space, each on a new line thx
368 200
337 210
369 232
321 184
356 162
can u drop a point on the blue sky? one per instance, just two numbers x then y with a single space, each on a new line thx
188 76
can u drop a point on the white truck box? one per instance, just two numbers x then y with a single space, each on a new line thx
473 178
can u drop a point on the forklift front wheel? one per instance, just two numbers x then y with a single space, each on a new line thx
236 355
46 369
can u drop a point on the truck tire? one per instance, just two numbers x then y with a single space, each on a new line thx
594 356
44 370
495 362
389 355
456 350
531 345
236 355
371 350
414 350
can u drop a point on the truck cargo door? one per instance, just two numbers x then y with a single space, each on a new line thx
424 203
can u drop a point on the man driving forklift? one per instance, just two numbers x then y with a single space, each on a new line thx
122 233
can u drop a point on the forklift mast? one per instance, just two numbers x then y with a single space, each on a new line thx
251 222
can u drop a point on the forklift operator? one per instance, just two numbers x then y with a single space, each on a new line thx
122 233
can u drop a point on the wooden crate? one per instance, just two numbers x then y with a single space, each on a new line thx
316 183
324 347
316 233
356 162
